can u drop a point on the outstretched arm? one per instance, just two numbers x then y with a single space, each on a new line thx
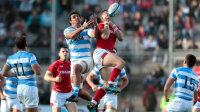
75 33
90 81
169 83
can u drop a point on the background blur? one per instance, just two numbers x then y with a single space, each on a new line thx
146 49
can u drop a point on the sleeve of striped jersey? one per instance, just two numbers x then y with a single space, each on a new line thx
123 73
67 30
95 71
174 74
7 62
33 59
89 32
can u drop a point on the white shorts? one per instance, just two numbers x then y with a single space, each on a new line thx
108 99
59 99
28 95
197 105
98 57
89 62
8 104
180 105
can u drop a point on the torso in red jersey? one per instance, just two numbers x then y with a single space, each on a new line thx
62 68
197 71
110 42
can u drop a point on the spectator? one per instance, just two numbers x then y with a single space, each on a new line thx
38 6
145 5
41 91
151 28
189 27
43 39
97 9
19 26
46 18
160 78
162 19
148 80
125 46
3 41
2 30
153 17
33 23
193 8
149 99
150 43
25 9
127 21
86 12
178 26
137 20
127 106
162 41
141 34
192 45
9 13
11 39
66 5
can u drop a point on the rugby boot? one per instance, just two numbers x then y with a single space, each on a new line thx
72 98
91 107
112 89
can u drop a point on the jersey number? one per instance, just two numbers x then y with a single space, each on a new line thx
23 74
191 83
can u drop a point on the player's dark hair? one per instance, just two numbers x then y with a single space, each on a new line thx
64 47
20 42
190 60
101 13
73 12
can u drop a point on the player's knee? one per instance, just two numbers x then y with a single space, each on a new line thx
121 64
77 69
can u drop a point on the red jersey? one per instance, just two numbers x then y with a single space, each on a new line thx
62 68
197 71
110 42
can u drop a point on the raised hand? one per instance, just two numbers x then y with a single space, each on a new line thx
88 24
58 79
94 17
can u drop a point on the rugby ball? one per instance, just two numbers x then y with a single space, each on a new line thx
113 10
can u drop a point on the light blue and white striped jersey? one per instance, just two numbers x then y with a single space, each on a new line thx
21 62
186 82
10 87
79 46
96 72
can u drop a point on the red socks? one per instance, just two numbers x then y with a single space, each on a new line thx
99 94
114 74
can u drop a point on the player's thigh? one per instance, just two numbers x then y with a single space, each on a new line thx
5 106
196 107
111 102
56 109
111 59
15 110
16 107
31 109
105 74
101 105
71 107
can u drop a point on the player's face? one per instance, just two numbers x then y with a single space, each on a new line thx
105 17
64 54
75 19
